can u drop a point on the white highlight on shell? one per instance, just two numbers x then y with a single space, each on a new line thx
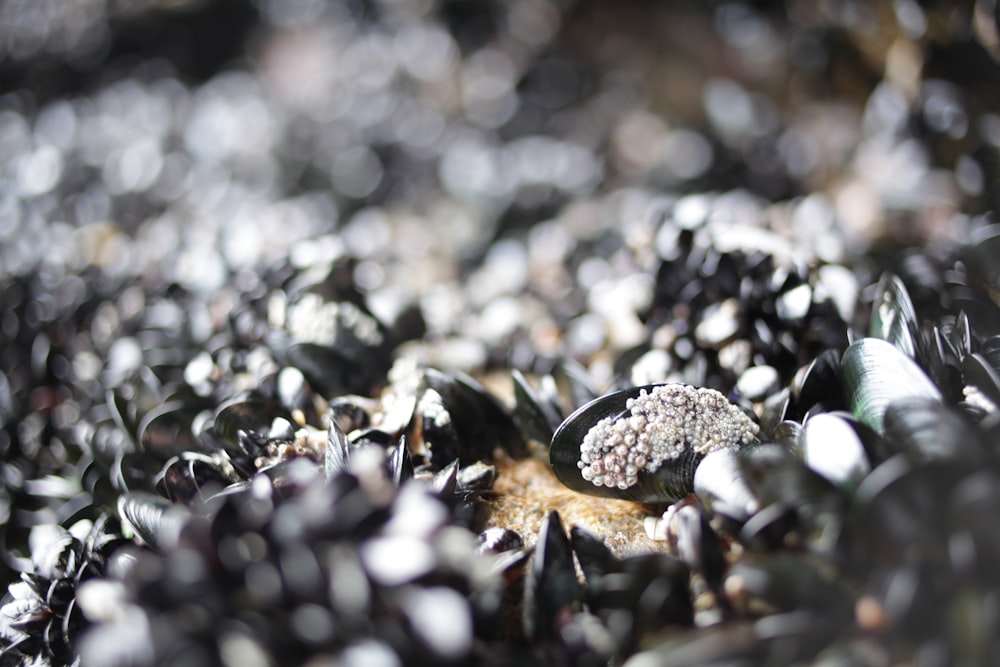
660 425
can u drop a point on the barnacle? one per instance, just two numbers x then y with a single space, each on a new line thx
660 425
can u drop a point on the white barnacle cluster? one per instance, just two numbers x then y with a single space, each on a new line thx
660 425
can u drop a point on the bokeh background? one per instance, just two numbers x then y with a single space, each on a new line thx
651 190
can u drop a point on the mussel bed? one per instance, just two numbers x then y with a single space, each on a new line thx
307 309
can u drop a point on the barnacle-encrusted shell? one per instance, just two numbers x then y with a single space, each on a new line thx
659 426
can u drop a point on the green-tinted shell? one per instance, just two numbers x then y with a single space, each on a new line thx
875 373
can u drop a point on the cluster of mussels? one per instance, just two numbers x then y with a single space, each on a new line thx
445 333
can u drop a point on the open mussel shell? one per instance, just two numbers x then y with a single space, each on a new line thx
875 373
574 381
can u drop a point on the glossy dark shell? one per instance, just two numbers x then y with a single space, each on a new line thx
875 374
894 318
672 481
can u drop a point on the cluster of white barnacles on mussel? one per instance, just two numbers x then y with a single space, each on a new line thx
546 332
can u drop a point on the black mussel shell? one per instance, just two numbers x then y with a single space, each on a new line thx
894 319
721 487
338 451
788 582
596 559
960 335
980 373
795 502
332 370
184 477
134 471
926 430
980 257
400 464
695 542
652 590
168 430
242 427
574 381
673 480
157 521
875 374
537 416
990 349
832 448
665 485
445 481
788 434
777 407
446 417
818 384
339 448
55 552
812 609
131 403
716 646
498 540
433 433
337 342
972 515
351 412
479 476
939 356
290 476
551 588
252 413
983 313
900 512
479 417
